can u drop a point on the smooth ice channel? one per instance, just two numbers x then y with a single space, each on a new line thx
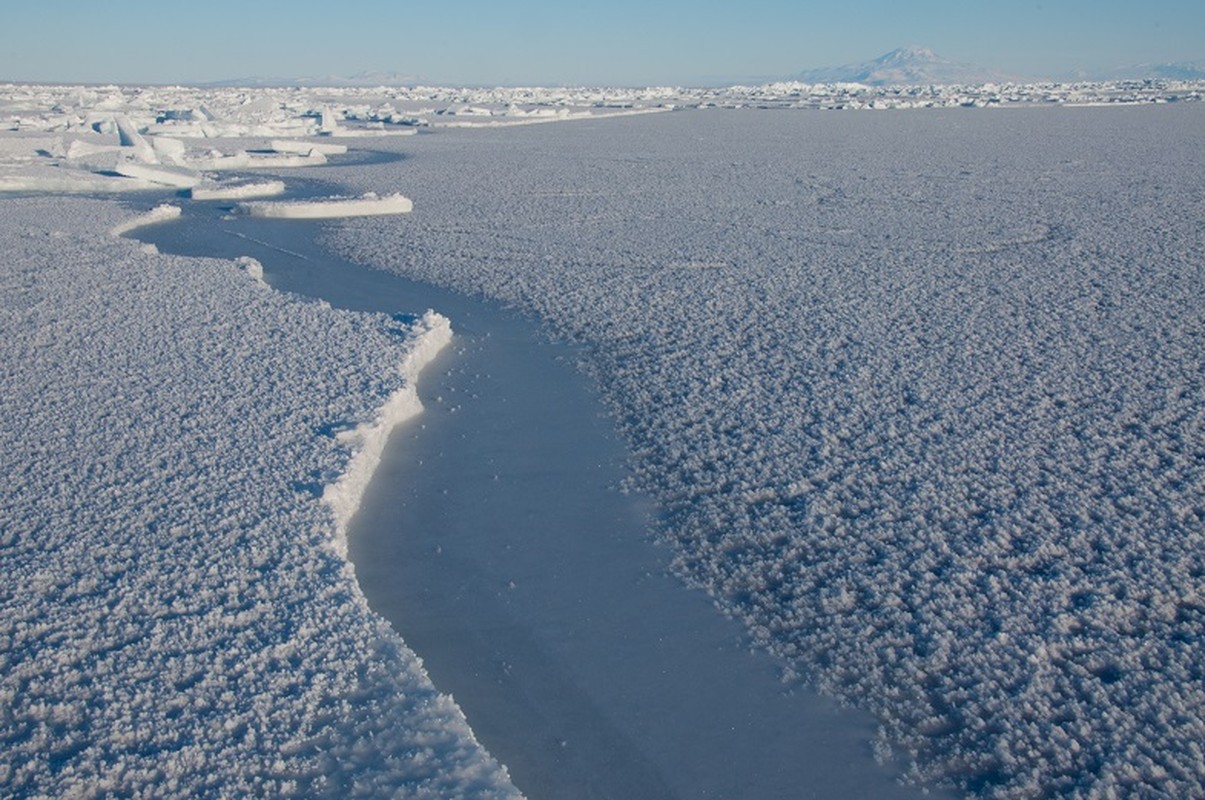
495 540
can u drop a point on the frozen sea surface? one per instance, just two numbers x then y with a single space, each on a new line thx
496 541
920 394
174 620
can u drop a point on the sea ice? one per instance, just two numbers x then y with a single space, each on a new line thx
174 617
927 425
930 427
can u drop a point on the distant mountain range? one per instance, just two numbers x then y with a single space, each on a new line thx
1178 71
910 66
903 66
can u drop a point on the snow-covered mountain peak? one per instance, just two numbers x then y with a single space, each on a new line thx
907 55
905 66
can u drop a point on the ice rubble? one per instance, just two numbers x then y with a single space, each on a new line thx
174 619
931 425
162 125
85 156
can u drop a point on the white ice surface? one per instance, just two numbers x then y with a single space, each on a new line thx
174 619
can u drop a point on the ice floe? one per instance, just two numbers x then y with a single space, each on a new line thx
176 177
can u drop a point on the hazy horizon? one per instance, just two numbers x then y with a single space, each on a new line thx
535 42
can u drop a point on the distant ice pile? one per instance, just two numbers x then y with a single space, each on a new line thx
931 421
174 620
72 139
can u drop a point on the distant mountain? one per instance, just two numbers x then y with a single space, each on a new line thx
1179 71
905 66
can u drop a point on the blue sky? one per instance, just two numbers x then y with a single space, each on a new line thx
627 42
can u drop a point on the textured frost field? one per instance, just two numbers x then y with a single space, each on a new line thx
921 394
174 617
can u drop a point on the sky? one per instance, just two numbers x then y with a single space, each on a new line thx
561 42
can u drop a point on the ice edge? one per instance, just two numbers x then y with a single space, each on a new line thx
433 332
160 213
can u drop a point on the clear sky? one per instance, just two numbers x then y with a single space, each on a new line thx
556 42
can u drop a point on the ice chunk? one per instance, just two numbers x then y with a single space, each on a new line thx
79 149
168 149
329 123
253 268
218 162
331 208
305 148
39 178
129 137
311 159
237 190
159 173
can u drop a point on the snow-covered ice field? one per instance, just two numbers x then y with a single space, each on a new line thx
918 396
175 619
493 538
